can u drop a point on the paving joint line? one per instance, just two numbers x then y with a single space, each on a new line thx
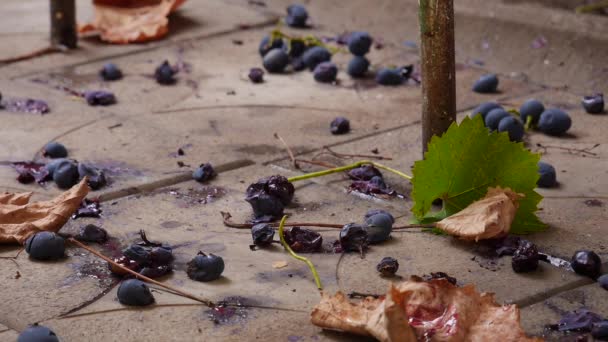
173 180
368 135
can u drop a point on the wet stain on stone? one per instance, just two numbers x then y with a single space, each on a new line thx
91 268
195 196
171 224
229 311
280 275
594 203
115 168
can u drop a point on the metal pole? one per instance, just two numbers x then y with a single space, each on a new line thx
438 67
63 23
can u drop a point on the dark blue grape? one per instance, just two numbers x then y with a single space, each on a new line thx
296 16
326 72
484 108
205 267
525 259
339 125
137 253
373 212
357 67
298 64
204 173
315 55
364 173
134 292
161 255
548 178
110 72
359 43
37 333
92 233
594 104
494 116
275 61
303 240
379 227
266 45
486 84
99 98
165 74
389 76
45 246
295 48
554 122
262 234
512 126
96 177
531 108
388 267
55 150
378 182
353 237
586 263
603 281
52 165
256 75
66 174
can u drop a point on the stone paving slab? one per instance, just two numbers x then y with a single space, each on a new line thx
193 21
537 316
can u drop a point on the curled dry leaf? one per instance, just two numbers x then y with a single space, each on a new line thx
19 218
487 218
128 21
418 310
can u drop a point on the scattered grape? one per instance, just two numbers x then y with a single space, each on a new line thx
594 104
389 77
486 84
66 174
256 75
55 150
531 108
296 16
45 246
388 267
548 178
554 122
325 72
165 74
110 72
339 125
37 333
512 126
134 292
205 267
587 263
484 108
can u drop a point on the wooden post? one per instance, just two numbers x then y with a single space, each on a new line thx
63 23
438 67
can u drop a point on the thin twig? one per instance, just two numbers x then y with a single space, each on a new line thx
570 149
32 54
289 151
315 275
207 302
229 223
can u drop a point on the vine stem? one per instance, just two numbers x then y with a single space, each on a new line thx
207 302
346 168
315 275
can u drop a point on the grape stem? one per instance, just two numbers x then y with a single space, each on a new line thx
229 223
315 275
179 292
346 168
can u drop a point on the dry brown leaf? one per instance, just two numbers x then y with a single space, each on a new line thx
487 218
416 310
127 21
19 218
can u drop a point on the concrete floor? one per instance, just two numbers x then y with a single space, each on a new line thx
222 118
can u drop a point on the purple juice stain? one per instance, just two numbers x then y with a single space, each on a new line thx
28 105
229 311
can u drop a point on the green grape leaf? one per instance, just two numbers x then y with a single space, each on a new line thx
460 165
